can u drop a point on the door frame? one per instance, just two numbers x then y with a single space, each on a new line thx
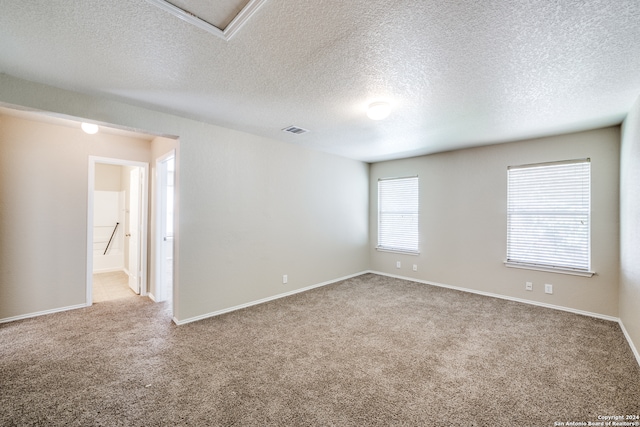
144 213
158 215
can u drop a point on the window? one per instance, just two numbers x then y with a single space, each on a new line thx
398 214
548 216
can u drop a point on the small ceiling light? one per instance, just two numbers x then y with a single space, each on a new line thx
90 128
378 110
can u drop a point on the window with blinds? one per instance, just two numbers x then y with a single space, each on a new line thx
548 215
398 214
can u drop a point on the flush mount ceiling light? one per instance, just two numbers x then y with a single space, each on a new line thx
89 128
378 110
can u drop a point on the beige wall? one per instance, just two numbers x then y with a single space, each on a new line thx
463 220
43 211
251 210
108 177
630 225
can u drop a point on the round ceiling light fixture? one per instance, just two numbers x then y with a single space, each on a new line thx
90 128
378 110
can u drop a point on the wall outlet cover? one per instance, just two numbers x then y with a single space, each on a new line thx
548 289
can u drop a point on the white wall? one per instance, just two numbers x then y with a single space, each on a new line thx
108 208
463 221
108 231
630 226
251 209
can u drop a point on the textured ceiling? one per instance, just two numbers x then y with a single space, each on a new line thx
457 73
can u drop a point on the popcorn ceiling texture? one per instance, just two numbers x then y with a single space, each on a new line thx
369 351
457 73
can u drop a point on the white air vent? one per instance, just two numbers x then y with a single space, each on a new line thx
295 130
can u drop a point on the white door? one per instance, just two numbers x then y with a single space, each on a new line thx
166 169
134 230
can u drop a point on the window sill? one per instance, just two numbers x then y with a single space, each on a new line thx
397 251
549 269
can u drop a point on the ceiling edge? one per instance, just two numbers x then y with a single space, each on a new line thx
242 17
226 34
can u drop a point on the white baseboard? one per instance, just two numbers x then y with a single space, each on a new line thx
263 300
524 301
628 337
296 291
505 297
108 270
152 297
42 313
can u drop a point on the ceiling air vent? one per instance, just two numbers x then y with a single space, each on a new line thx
296 130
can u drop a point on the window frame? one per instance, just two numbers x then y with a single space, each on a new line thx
413 238
550 214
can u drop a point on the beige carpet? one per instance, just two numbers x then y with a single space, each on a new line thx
369 351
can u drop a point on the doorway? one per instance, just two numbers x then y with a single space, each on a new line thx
117 222
164 213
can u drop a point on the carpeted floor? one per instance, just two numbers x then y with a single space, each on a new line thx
369 351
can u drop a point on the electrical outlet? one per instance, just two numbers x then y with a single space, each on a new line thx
548 289
285 279
415 267
528 286
398 264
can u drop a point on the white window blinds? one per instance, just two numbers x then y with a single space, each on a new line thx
398 214
548 215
